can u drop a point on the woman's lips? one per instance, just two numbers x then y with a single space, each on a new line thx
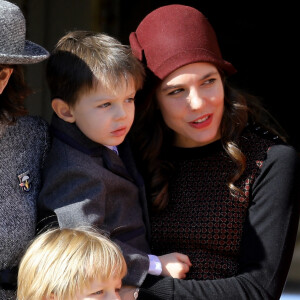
201 122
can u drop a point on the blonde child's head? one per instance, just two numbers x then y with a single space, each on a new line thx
63 263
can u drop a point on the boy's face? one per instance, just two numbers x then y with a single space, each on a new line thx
104 290
103 116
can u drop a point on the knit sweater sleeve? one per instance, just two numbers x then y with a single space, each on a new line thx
268 240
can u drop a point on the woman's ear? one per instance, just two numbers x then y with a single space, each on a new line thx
4 77
63 110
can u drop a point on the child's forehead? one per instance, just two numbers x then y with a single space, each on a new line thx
98 92
100 284
112 89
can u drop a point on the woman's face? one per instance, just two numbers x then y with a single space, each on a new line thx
4 77
191 100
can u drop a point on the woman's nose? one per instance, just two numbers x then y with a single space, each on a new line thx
195 101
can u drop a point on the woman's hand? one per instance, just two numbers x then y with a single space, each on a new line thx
175 264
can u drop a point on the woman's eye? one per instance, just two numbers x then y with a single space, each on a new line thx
209 81
104 105
175 92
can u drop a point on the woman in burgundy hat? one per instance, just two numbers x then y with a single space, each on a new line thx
223 184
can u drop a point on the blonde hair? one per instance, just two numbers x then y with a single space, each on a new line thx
63 262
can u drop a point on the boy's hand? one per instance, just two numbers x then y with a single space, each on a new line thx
175 265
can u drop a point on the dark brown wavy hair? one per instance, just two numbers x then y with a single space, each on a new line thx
13 96
152 138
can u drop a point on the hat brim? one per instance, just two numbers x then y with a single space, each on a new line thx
32 53
189 56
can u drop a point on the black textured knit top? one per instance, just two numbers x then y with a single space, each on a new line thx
239 247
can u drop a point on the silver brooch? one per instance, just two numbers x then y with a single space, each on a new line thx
25 181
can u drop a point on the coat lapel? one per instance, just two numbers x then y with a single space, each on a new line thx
114 163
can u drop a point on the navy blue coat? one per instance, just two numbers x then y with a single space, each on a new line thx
87 184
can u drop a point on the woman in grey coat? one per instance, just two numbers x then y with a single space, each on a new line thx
24 142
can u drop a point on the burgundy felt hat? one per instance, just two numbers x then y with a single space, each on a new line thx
176 35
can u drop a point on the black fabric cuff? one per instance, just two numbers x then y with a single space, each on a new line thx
8 278
157 287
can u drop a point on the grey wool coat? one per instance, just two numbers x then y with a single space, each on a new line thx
23 146
87 184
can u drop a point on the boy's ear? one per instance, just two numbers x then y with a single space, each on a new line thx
4 77
63 110
52 297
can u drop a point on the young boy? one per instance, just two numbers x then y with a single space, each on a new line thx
69 264
87 180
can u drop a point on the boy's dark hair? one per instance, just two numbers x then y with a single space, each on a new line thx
83 59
